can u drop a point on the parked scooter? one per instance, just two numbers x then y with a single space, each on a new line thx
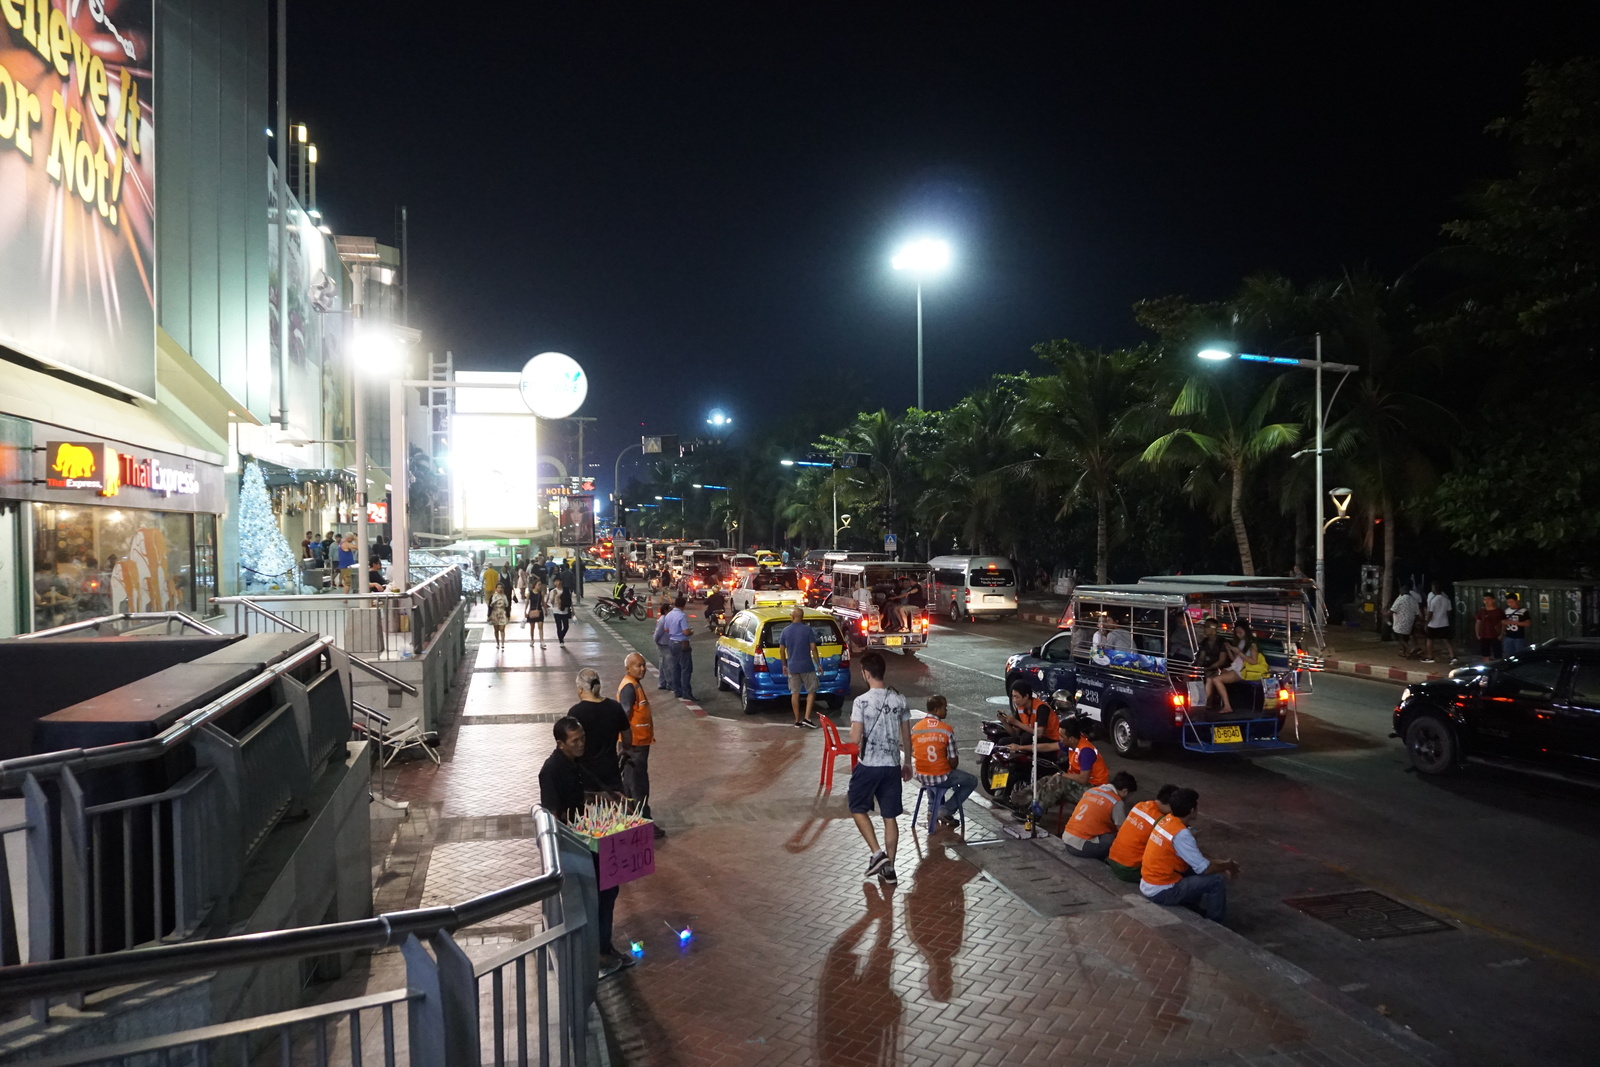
607 608
1001 770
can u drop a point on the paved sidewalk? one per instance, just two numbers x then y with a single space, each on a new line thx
991 951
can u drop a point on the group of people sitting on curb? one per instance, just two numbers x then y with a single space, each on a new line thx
1149 843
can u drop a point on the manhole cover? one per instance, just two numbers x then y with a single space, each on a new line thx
1366 915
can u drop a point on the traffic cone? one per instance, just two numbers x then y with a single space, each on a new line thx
650 606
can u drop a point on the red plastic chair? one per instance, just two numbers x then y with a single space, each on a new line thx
832 748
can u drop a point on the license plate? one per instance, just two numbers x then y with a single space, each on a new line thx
984 748
999 779
1227 735
989 597
892 642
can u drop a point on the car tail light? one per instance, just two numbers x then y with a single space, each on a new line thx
967 593
864 625
1179 702
760 661
1283 696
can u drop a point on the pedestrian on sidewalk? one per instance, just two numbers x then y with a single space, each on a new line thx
797 652
499 615
560 601
1514 627
1402 619
563 785
1095 821
677 656
1127 851
1175 872
640 736
1438 609
1487 624
936 761
536 608
880 727
604 724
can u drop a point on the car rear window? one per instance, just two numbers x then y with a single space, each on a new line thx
827 633
987 579
774 581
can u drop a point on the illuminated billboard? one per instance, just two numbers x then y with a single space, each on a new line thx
77 187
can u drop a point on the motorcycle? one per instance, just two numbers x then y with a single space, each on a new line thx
717 622
607 608
1001 770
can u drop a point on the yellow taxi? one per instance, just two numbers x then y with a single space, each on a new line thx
749 663
765 558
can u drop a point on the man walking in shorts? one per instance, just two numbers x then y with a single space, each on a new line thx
797 648
880 724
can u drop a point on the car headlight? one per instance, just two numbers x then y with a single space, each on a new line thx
1405 694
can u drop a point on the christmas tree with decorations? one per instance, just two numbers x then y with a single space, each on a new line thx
265 558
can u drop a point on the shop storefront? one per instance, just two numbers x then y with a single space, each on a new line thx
90 527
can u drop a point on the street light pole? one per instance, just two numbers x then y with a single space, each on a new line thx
1322 529
1318 366
919 345
616 485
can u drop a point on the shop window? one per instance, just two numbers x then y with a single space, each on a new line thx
93 561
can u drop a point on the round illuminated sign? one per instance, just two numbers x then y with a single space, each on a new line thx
553 385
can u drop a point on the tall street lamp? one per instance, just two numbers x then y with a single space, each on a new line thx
922 258
1317 365
616 473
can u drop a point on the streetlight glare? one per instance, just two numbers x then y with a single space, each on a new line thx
1215 353
922 256
787 462
717 418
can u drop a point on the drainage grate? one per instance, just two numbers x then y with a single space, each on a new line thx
1367 915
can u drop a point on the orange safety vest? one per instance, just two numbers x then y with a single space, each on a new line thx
1162 865
1050 728
1128 848
642 726
1098 774
930 747
1092 816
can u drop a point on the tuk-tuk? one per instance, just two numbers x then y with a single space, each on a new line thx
864 601
1126 659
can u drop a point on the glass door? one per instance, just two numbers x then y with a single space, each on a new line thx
11 578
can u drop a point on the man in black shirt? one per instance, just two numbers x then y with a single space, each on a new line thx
563 781
604 722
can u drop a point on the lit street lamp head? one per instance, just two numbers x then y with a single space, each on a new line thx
923 256
1215 353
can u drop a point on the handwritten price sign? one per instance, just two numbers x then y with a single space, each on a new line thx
627 855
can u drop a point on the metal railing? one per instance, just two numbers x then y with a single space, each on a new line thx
529 1004
106 876
380 625
126 621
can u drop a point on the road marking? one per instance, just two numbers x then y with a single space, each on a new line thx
963 666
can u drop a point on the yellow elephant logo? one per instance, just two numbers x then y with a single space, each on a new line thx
74 461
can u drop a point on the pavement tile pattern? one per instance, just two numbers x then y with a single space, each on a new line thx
794 958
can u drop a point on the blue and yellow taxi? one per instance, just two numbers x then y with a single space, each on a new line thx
750 663
765 558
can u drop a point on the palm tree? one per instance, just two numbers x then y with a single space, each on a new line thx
1077 423
969 493
1387 433
1224 429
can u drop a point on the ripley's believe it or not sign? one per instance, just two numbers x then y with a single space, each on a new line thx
77 188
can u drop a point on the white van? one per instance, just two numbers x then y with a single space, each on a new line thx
968 587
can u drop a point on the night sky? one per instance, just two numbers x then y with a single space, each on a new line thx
698 202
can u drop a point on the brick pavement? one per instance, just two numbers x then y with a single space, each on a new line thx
792 959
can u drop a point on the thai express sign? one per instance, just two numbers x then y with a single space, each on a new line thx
77 189
82 465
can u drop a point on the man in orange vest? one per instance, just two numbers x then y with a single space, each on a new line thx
1127 851
1026 708
1175 872
935 759
1095 820
636 741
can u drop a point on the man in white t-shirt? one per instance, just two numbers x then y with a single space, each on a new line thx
1403 618
880 725
1438 624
